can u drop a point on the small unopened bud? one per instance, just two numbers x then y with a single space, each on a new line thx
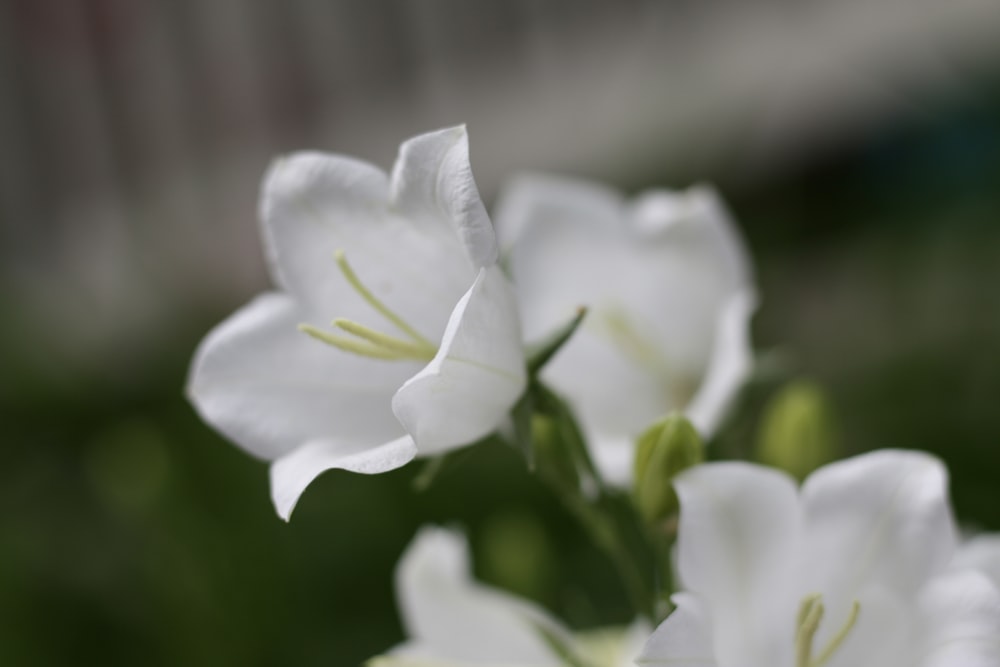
667 448
797 432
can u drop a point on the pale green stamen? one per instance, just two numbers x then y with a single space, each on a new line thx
838 639
378 339
373 301
807 624
366 341
810 615
349 344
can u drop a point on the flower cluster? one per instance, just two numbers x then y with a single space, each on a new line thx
606 339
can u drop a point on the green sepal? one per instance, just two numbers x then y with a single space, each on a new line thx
539 354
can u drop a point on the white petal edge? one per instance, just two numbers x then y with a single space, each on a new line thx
684 639
730 365
737 543
961 622
468 389
449 617
879 518
432 178
656 211
294 472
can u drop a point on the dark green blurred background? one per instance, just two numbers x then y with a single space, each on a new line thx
860 154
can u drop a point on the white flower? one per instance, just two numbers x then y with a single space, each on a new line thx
454 621
425 352
851 571
667 283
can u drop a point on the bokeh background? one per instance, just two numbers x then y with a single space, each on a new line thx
857 142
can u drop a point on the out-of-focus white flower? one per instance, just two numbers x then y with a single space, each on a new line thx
425 352
454 621
668 287
851 571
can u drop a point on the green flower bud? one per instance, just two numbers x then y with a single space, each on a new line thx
667 448
797 432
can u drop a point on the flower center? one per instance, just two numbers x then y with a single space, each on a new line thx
810 615
369 342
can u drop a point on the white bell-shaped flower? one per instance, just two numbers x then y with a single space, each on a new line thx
668 286
393 333
853 570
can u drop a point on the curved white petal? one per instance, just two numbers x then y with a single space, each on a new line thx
737 550
293 472
529 199
684 639
961 626
270 388
432 180
305 198
880 518
982 553
730 365
450 618
313 205
700 207
468 389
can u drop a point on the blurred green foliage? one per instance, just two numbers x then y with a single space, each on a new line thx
130 533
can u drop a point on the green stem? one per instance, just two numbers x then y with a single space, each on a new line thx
607 528
603 529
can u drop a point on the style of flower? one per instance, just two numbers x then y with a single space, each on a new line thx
668 287
454 621
853 570
425 352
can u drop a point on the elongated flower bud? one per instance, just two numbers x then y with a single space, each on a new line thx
667 448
